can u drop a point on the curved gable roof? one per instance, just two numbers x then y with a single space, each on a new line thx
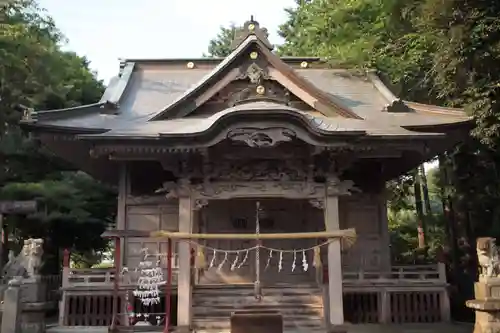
226 72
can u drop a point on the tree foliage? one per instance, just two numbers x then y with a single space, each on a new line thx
220 46
436 52
36 73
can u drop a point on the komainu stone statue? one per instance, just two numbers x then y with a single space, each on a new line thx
27 263
488 257
34 256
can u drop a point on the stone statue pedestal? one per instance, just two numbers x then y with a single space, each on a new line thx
486 305
34 305
33 290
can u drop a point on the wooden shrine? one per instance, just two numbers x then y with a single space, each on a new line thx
193 144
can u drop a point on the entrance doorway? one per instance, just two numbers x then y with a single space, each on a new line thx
275 216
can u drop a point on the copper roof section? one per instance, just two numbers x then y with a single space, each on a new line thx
165 90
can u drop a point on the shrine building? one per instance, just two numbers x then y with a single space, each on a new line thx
194 145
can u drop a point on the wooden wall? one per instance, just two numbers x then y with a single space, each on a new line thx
150 217
367 213
364 212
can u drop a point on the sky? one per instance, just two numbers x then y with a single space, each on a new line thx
106 30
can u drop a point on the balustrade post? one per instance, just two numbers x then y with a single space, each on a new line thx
384 306
64 285
115 321
444 298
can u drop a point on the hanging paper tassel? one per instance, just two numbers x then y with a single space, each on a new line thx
317 258
200 261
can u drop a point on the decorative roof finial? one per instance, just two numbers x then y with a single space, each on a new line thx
251 27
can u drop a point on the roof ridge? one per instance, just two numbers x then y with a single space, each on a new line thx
251 27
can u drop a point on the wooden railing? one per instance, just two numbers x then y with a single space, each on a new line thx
88 277
416 273
404 294
396 305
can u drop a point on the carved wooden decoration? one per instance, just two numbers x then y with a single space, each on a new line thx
224 190
261 138
255 74
317 203
259 170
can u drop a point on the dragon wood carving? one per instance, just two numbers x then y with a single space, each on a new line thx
261 138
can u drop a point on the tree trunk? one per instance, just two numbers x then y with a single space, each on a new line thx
449 215
425 191
419 209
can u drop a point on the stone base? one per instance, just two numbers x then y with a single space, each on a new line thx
338 329
487 288
33 290
487 315
182 329
33 317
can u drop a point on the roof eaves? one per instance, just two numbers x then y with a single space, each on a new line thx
48 115
465 124
109 102
34 126
438 110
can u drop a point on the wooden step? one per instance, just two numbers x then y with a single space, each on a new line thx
301 306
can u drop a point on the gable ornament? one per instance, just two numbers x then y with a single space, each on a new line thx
254 73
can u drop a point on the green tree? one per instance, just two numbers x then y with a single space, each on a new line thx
36 73
220 46
436 52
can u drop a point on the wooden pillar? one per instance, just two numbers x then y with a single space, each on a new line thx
121 214
335 296
3 245
184 296
65 284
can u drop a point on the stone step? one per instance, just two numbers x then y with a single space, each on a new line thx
224 322
265 300
300 305
285 329
251 293
226 311
259 305
250 290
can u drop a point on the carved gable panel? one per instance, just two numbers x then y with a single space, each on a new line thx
241 90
